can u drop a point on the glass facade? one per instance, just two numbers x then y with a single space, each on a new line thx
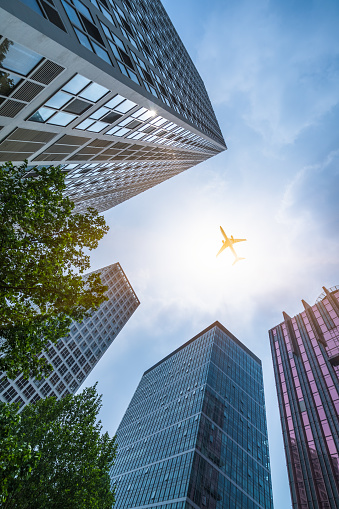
305 352
194 434
104 85
74 356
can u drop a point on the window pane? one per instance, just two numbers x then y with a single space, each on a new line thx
8 82
100 112
83 9
76 84
94 92
147 115
61 118
106 30
72 14
122 131
33 4
97 126
139 112
113 102
107 15
101 53
83 39
17 58
42 115
84 124
125 106
113 130
58 100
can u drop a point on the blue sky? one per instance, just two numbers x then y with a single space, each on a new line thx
271 69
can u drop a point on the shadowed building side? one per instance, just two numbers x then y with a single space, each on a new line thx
74 356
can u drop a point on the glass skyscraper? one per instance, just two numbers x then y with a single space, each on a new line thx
305 352
106 89
74 356
194 434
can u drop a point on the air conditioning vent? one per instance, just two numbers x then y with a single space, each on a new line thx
59 149
19 146
99 143
11 108
31 135
47 72
72 140
50 157
13 156
28 91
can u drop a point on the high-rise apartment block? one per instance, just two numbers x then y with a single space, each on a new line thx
305 352
74 356
106 89
194 434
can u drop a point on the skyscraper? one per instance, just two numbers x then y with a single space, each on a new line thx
106 89
305 352
194 434
74 356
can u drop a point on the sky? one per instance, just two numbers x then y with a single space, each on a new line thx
271 69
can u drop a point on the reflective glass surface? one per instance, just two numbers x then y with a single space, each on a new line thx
76 84
61 119
195 430
93 92
305 350
18 58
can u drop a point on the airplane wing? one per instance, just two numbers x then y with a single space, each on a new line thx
237 240
224 246
224 234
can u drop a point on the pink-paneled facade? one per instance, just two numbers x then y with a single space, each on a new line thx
305 351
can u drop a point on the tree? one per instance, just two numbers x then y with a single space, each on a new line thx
72 470
16 456
42 261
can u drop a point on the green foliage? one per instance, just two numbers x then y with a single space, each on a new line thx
17 459
72 470
42 259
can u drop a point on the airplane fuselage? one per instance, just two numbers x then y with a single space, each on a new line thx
228 242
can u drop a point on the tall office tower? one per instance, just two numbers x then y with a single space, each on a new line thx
305 352
106 89
74 356
194 434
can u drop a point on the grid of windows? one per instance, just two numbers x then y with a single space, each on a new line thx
22 77
305 352
195 431
74 356
75 97
164 114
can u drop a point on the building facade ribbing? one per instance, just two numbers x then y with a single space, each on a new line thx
74 356
305 352
106 89
194 434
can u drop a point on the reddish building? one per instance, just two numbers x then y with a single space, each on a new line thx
305 352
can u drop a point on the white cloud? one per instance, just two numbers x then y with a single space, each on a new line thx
280 73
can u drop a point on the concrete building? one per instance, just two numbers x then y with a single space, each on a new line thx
305 352
106 89
74 356
194 434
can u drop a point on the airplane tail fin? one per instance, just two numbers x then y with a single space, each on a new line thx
238 258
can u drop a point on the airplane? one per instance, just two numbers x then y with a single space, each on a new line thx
229 243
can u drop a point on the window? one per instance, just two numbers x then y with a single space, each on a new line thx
18 58
64 106
107 114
